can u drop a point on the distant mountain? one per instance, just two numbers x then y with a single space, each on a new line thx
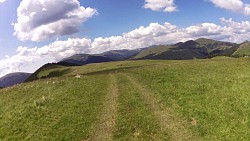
200 49
13 79
119 55
152 51
46 71
83 59
194 49
180 51
217 48
206 41
243 50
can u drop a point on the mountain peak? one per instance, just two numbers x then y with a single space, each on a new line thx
188 44
206 41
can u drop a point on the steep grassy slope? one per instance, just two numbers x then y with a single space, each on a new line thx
244 50
132 100
42 72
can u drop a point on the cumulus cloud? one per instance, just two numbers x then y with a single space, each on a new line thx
160 5
50 53
153 34
233 5
43 19
2 1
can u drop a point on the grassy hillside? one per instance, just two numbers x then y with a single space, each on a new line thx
132 100
42 72
244 50
120 55
152 51
83 59
217 48
180 51
200 49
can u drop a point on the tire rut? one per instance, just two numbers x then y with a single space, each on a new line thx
168 123
104 128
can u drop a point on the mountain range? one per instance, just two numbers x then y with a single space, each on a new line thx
13 79
83 59
200 49
194 49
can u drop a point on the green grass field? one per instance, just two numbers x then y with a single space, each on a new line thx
132 100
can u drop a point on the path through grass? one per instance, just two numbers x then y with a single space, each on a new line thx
103 129
132 100
174 126
135 121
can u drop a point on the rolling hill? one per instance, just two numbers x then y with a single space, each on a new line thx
119 55
40 73
204 99
13 79
113 55
83 59
243 50
217 48
200 49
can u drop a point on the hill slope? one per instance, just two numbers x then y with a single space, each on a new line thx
181 51
13 79
200 49
199 100
83 59
243 50
217 48
42 73
120 54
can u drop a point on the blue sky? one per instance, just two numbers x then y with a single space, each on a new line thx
33 33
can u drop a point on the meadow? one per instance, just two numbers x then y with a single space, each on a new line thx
207 99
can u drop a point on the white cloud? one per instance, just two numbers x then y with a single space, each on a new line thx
160 5
2 1
43 19
56 51
154 34
233 5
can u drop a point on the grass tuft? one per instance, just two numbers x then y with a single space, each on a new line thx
41 102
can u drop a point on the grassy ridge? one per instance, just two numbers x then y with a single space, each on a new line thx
211 96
